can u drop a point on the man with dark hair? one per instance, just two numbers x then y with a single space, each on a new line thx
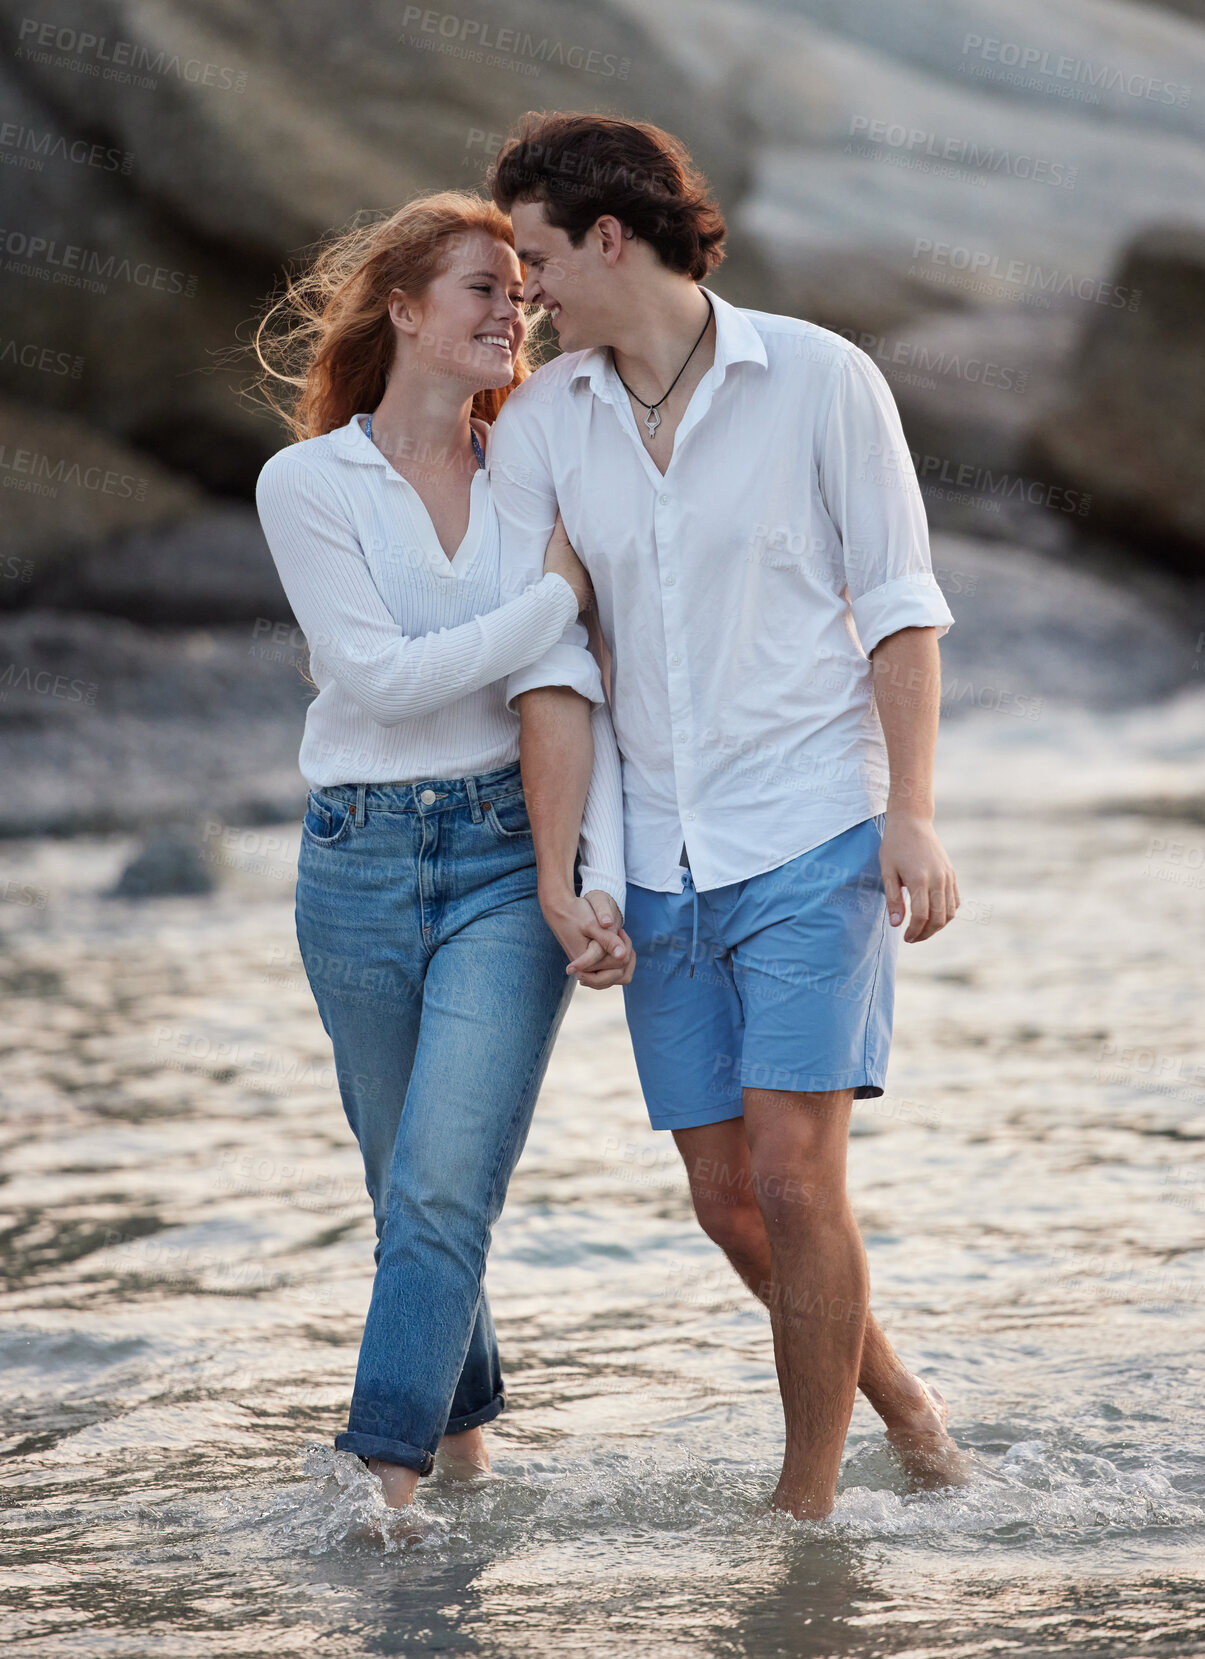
739 487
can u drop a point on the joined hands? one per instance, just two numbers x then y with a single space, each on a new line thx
591 934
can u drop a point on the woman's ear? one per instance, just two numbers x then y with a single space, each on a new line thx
402 313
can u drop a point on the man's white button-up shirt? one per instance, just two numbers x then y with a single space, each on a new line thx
739 594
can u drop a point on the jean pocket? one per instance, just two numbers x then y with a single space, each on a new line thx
508 817
326 821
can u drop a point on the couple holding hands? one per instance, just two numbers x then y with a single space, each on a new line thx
627 673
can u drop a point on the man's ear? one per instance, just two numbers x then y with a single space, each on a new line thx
611 233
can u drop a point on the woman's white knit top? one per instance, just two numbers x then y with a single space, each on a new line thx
410 649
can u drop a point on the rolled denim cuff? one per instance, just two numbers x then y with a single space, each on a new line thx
389 1451
475 1419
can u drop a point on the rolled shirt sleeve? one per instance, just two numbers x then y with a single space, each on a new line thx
870 491
525 498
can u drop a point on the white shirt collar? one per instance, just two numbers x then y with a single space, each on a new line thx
736 341
354 444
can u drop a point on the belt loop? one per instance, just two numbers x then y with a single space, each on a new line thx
361 814
470 787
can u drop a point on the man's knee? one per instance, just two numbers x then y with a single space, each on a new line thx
797 1181
728 1213
793 1201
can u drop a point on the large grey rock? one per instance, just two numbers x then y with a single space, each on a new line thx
1135 63
60 668
213 566
98 279
1028 632
970 386
1131 428
248 132
241 132
310 116
106 725
169 862
68 485
869 157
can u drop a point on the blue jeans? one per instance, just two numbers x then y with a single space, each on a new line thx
442 990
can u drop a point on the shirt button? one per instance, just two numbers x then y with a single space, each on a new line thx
690 817
427 797
679 737
670 580
675 661
664 500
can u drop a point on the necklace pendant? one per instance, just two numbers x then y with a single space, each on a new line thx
652 421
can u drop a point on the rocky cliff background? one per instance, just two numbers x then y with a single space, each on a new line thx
1003 205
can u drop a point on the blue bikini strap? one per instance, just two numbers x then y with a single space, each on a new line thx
477 449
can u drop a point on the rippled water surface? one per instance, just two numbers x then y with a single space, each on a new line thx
189 1257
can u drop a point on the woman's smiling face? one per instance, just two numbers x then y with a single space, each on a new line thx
470 322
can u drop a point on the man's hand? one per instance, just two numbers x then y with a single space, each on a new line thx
591 934
911 856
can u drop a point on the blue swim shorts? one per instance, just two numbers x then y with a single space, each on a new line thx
783 981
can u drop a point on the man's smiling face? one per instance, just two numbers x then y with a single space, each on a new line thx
565 280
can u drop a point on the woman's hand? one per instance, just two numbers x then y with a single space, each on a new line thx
561 560
604 972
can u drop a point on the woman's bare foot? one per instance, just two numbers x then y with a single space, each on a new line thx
923 1445
398 1481
463 1456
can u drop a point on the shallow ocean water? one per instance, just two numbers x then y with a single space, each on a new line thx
188 1251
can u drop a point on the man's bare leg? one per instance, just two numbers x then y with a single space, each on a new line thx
819 1287
722 1191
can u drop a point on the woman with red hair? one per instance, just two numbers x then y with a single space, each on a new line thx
438 981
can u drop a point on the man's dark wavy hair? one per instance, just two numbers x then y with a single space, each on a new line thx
584 166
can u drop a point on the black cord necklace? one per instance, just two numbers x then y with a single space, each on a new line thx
653 420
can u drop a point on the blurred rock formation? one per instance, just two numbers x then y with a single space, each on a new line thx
962 187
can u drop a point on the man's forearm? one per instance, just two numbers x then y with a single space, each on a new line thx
556 754
907 690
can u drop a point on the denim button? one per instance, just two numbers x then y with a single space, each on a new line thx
427 797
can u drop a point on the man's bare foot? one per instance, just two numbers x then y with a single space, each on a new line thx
923 1445
399 1482
463 1456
